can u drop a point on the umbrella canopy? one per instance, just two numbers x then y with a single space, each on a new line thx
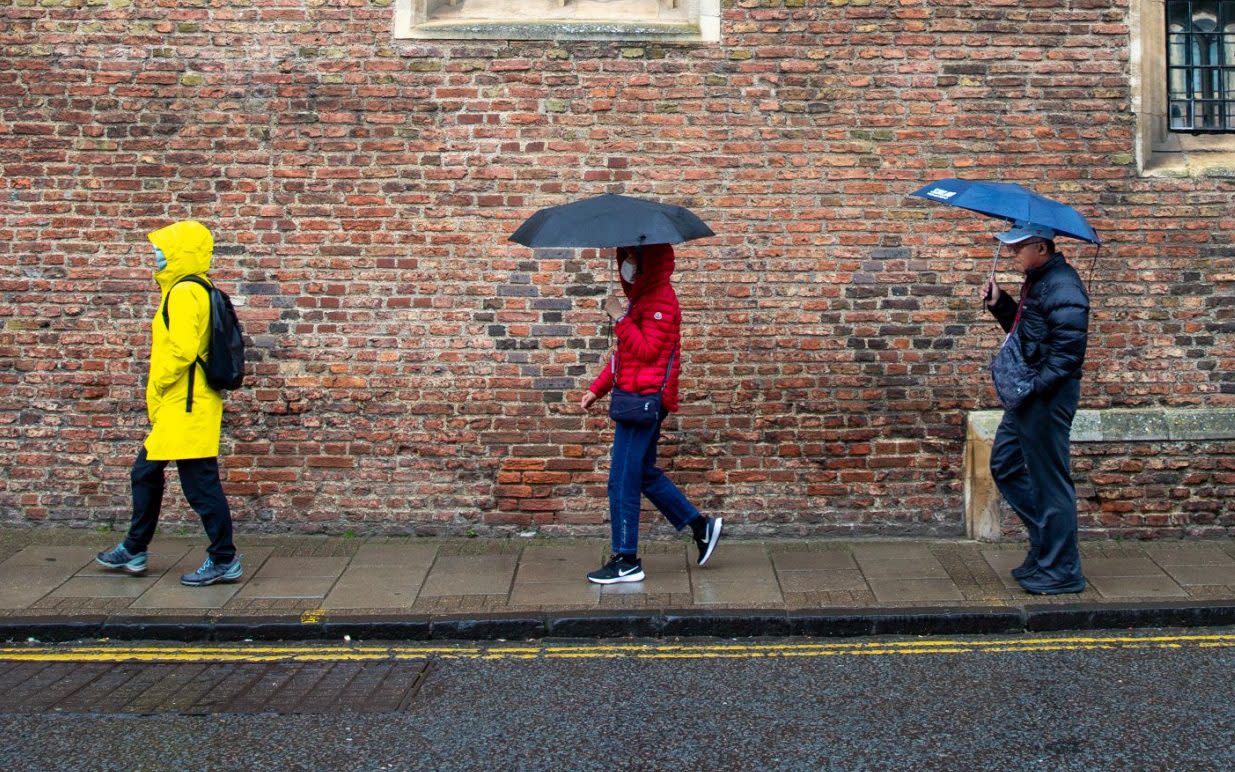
1009 201
610 221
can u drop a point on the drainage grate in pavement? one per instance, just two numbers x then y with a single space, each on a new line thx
197 688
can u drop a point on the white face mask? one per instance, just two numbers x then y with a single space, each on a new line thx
628 271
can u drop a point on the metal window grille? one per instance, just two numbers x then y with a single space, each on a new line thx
1200 65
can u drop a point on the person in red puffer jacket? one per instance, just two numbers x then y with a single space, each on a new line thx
648 325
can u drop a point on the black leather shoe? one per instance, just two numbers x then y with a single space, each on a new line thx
1037 584
1029 567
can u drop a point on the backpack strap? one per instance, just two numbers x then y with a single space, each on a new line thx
199 281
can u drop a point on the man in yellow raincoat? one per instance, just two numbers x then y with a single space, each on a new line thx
185 413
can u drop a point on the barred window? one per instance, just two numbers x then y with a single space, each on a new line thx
1200 62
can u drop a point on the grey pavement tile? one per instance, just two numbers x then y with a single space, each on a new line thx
286 587
1003 561
558 564
376 587
158 562
1137 587
104 587
395 553
708 591
51 555
1208 574
667 574
169 593
1188 555
487 574
889 590
822 581
578 594
813 560
927 567
733 562
1122 566
890 550
277 567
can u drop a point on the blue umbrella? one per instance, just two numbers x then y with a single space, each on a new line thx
1009 201
610 221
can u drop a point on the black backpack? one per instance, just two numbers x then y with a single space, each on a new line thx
224 364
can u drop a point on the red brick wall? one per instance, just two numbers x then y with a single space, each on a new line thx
413 370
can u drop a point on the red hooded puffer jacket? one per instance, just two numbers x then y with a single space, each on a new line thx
649 333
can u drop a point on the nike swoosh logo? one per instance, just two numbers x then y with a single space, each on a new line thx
628 572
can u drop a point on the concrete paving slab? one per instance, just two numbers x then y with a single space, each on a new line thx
104 587
1207 574
925 567
471 575
558 564
1127 566
890 550
286 587
52 555
1123 587
377 587
157 564
894 591
710 591
395 553
813 560
578 594
822 581
1188 555
301 568
169 593
735 562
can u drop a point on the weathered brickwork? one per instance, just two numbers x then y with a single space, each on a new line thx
415 371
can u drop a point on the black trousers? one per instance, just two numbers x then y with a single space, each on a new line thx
199 479
1032 469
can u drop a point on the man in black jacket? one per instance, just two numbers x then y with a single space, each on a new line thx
1029 458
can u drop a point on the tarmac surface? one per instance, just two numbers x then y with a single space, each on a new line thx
311 587
1149 699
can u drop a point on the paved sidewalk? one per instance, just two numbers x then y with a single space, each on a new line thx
311 587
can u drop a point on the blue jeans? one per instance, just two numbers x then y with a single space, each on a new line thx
1031 467
633 471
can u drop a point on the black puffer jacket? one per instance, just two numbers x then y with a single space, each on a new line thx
1054 326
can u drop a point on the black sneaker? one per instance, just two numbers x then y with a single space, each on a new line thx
618 569
707 543
1027 568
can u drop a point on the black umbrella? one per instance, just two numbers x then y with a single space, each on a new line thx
610 221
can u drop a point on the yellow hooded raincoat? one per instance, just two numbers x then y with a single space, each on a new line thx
178 433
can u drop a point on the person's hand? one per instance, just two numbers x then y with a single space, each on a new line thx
615 306
588 400
991 292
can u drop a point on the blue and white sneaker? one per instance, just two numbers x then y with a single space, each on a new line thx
213 573
121 559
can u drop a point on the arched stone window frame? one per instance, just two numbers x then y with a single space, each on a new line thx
700 24
1160 151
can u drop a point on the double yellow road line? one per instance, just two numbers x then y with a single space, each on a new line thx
249 652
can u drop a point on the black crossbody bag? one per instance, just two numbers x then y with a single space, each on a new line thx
1013 377
628 407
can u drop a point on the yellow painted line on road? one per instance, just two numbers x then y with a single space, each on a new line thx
649 651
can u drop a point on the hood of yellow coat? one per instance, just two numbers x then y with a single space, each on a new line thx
188 246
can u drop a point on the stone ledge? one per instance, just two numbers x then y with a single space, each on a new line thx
1090 426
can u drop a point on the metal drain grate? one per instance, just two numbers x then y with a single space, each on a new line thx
197 688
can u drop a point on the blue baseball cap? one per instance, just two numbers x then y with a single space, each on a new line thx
1023 230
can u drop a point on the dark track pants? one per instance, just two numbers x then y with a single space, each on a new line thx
1031 467
199 479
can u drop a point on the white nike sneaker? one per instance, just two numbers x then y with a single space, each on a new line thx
618 569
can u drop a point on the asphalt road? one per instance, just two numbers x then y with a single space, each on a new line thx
1143 700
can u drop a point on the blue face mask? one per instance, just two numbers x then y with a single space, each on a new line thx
160 260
